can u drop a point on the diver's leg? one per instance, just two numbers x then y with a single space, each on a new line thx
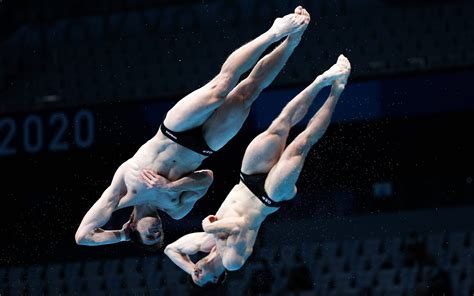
227 120
266 149
194 109
281 180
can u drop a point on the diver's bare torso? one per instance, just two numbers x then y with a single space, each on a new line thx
168 159
241 202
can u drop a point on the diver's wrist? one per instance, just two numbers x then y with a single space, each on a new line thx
123 236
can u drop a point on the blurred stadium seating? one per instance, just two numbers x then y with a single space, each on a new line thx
414 264
150 52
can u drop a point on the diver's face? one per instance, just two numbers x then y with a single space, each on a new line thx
150 229
204 273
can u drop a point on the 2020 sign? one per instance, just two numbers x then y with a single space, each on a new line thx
54 132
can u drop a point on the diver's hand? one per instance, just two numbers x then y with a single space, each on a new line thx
125 231
208 220
196 275
154 181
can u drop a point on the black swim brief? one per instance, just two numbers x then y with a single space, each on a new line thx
256 184
192 139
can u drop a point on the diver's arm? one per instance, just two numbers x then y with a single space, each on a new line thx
232 257
89 232
180 250
187 201
190 188
195 181
228 225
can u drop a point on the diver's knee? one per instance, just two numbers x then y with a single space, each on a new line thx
221 87
232 264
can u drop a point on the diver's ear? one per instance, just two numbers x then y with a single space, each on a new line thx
133 226
132 222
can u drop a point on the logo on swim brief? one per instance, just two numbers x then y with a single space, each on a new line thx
171 135
266 200
207 152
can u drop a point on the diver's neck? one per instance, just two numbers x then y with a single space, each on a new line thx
144 210
216 260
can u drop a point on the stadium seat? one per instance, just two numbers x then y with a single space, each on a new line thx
91 268
110 267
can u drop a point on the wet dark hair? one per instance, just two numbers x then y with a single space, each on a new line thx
137 240
211 285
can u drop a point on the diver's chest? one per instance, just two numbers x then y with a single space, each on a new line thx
166 200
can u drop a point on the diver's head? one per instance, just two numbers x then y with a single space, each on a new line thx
146 229
209 270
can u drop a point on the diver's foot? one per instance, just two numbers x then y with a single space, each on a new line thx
289 24
300 11
338 72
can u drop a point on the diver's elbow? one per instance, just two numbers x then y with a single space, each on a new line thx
80 239
169 250
178 215
233 264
